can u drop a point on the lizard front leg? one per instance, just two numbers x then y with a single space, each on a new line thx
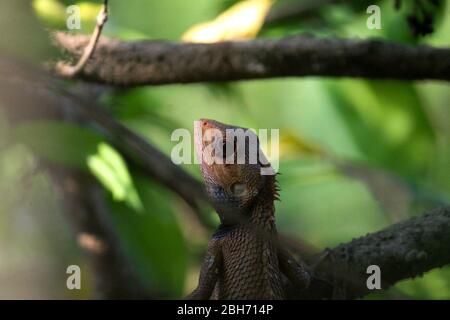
209 273
297 273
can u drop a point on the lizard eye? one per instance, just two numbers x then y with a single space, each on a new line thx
225 150
239 189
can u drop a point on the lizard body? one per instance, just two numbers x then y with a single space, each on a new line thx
244 259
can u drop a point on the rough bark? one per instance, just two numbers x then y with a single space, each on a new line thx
161 62
404 250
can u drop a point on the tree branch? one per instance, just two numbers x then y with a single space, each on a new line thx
404 250
160 62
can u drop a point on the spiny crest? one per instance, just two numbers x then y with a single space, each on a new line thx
274 188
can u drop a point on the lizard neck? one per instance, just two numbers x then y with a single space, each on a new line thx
261 213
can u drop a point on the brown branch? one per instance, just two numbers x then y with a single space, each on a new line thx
71 71
403 250
160 62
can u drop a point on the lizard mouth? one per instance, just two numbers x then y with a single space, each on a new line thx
204 130
198 139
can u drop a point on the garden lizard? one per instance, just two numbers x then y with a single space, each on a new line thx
244 259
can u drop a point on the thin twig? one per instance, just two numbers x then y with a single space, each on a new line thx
71 71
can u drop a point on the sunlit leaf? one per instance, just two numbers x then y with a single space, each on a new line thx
111 170
51 11
54 13
107 177
241 21
89 11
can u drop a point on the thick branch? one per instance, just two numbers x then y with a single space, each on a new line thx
160 62
403 250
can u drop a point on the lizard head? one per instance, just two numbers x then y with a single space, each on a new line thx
232 166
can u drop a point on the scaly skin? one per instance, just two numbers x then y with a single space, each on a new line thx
244 259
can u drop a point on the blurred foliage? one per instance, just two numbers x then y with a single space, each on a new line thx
45 138
154 239
400 128
242 21
391 115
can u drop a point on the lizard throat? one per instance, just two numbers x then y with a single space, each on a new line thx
260 213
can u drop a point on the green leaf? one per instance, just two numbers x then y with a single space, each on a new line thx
111 170
62 143
107 177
